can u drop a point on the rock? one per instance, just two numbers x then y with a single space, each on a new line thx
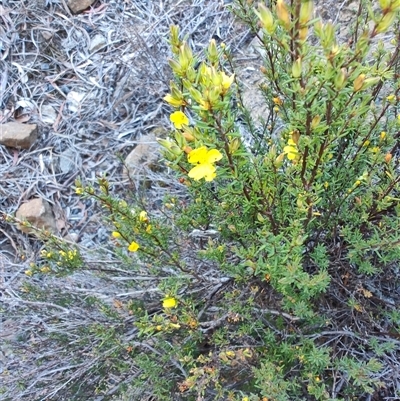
77 6
144 155
37 212
97 42
74 101
67 161
18 135
48 114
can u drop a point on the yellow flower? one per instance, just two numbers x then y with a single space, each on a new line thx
116 234
143 216
277 101
391 98
178 119
291 150
29 273
227 81
148 229
79 191
204 160
170 302
133 247
45 269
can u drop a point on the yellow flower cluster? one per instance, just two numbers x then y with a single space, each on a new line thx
143 221
69 255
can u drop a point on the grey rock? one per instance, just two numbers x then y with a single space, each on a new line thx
144 155
77 6
98 41
67 161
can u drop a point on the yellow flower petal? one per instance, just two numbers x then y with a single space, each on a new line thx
133 247
116 234
205 170
170 302
290 149
227 81
178 119
213 156
198 155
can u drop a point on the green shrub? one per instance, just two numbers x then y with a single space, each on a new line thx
246 262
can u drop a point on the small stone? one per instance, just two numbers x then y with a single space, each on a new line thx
48 114
47 35
18 135
67 161
72 237
145 154
77 6
97 42
38 213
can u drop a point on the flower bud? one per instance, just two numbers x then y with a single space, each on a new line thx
279 160
303 33
180 139
266 18
187 149
175 150
384 4
297 68
234 145
386 22
340 79
315 122
306 11
185 57
388 157
165 143
358 82
188 136
329 35
174 38
283 14
370 82
196 95
212 52
295 136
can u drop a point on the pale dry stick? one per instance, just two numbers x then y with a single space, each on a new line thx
339 10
